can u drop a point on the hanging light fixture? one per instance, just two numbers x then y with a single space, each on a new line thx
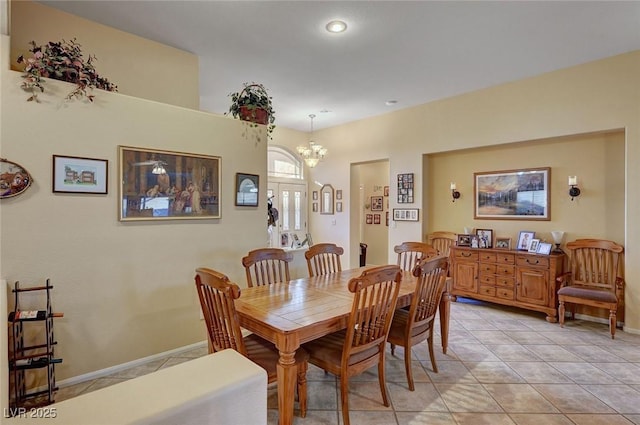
313 153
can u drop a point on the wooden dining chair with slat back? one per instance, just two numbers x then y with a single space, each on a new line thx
361 345
442 241
217 295
410 253
265 266
323 258
410 327
592 278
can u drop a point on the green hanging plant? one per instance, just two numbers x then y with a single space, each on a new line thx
253 104
62 61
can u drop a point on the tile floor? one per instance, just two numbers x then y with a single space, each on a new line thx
504 366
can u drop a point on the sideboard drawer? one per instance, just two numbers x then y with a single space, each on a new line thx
505 269
507 282
532 261
487 290
487 268
466 255
504 293
488 279
488 257
505 258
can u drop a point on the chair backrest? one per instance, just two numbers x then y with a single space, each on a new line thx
323 258
265 266
410 253
217 295
432 277
375 296
594 263
442 241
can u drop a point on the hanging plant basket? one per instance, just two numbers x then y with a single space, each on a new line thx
253 104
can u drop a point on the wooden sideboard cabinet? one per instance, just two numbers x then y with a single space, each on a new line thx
515 278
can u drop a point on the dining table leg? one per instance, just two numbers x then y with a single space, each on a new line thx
287 378
445 311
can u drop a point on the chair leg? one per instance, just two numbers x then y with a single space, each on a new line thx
344 397
432 354
407 366
612 323
302 388
561 313
382 380
393 349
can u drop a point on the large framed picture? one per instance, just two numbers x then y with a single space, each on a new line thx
166 185
247 189
513 194
73 174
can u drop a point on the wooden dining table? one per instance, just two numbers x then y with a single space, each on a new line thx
292 313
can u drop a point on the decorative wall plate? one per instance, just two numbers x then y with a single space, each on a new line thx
14 179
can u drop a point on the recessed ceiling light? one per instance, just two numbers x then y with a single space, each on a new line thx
336 26
390 102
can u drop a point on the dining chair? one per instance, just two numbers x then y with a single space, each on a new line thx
410 327
442 241
592 278
410 253
267 265
217 295
361 345
323 258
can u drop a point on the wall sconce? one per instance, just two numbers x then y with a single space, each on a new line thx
454 193
574 192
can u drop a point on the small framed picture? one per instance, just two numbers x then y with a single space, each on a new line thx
485 238
339 194
376 219
72 174
464 240
315 207
376 203
386 191
406 214
369 219
474 241
387 219
533 246
544 248
247 190
339 206
503 243
524 239
315 195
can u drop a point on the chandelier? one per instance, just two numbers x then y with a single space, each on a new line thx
313 153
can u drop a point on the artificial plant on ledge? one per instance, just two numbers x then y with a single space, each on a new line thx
62 61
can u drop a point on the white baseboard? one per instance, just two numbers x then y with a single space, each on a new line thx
605 321
117 368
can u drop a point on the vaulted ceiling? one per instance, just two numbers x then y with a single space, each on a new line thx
409 52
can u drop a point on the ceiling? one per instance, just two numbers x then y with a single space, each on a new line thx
410 52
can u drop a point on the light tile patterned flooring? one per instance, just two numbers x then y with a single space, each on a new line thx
504 366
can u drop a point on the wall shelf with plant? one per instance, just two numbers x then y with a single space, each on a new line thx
64 61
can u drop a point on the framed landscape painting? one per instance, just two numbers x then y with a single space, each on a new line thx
513 194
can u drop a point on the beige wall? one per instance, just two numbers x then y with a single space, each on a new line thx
139 67
126 289
592 98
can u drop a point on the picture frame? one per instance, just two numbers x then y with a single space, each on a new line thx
524 239
522 194
339 194
339 206
386 191
503 243
474 241
376 219
387 218
166 185
485 238
463 240
314 195
544 248
369 219
314 207
533 245
376 203
14 179
247 190
405 188
406 214
75 174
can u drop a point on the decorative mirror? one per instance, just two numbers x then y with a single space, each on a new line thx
326 199
14 179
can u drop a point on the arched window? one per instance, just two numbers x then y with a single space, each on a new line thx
282 163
